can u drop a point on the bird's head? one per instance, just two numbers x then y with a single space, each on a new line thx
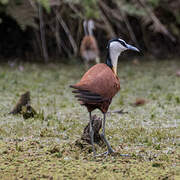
115 47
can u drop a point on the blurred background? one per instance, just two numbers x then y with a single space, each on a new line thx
50 30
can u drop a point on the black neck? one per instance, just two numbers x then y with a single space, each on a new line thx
108 60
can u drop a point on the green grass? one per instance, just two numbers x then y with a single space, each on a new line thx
44 147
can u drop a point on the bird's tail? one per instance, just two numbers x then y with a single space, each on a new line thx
86 96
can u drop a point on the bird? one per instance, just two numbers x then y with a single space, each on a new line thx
89 50
99 85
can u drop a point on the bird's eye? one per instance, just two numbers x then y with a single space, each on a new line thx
123 43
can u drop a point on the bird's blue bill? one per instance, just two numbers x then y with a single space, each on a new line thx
132 48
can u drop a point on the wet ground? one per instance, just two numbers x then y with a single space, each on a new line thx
44 147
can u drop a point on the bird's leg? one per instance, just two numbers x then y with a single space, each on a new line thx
91 132
110 150
86 63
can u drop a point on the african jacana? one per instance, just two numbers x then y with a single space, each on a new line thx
89 49
100 84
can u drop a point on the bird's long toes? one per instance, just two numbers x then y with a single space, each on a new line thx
124 155
94 152
113 153
110 151
106 153
102 154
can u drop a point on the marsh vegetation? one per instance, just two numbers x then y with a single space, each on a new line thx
45 146
50 29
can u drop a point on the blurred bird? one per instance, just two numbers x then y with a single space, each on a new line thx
89 49
100 84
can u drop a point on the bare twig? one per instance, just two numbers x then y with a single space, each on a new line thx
58 40
76 10
131 32
100 25
36 43
42 33
63 24
57 35
118 112
158 26
108 25
33 4
121 16
111 12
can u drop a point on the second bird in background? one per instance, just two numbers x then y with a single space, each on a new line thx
89 49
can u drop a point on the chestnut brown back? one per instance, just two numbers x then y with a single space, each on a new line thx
100 80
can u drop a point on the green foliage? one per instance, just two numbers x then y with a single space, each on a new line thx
154 3
45 4
23 13
132 10
90 8
151 22
4 2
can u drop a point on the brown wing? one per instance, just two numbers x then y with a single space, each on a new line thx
99 83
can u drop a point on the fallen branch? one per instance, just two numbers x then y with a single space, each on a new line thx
118 112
